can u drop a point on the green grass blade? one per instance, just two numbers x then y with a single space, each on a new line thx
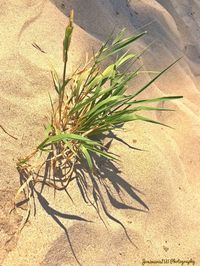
55 81
102 153
154 79
124 59
161 99
119 36
87 156
61 137
52 107
116 47
150 108
107 101
121 119
146 119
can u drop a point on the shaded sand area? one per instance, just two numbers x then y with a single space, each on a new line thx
152 197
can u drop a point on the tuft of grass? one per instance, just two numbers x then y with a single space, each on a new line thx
92 101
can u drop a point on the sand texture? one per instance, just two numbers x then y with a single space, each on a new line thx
149 205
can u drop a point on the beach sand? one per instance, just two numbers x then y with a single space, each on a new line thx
152 196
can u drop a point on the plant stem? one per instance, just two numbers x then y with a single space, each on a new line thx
61 96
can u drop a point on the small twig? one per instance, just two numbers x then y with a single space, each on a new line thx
38 48
7 132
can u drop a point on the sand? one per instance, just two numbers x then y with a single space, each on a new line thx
152 197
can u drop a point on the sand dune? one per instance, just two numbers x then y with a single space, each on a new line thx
153 196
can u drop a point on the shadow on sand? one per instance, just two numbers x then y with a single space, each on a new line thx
101 188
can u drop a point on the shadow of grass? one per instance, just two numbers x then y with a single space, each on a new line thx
103 188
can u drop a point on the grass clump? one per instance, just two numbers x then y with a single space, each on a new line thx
92 101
